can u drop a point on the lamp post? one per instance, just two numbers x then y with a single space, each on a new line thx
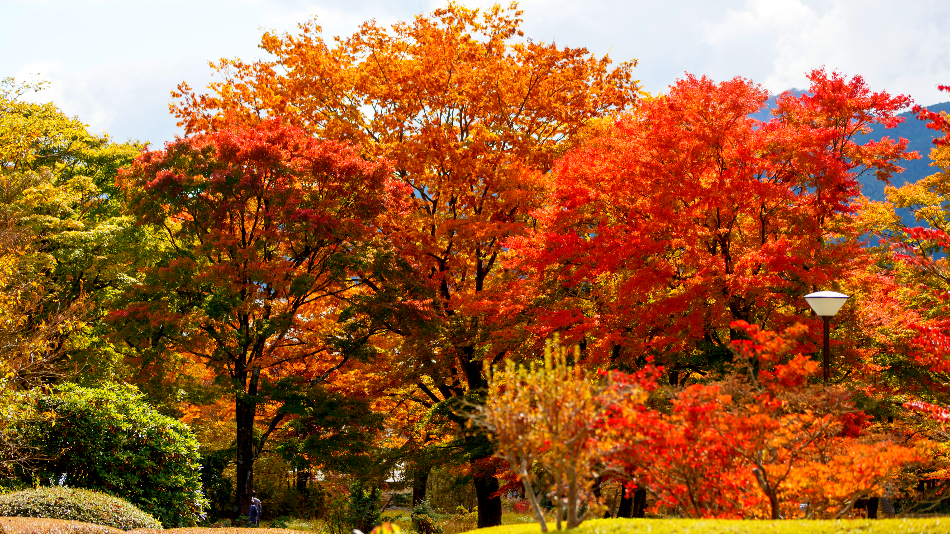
826 304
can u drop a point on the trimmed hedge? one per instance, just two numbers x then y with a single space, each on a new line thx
929 525
76 505
36 525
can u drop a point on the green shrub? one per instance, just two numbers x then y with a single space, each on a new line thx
280 522
336 516
110 439
217 486
424 519
76 505
365 513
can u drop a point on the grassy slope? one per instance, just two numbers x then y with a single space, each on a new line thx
696 526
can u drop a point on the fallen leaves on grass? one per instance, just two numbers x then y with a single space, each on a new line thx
35 525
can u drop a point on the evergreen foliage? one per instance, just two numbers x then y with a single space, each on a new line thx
109 439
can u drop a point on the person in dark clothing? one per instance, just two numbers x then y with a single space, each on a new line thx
254 512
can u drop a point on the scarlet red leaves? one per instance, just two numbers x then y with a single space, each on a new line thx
262 227
745 446
688 214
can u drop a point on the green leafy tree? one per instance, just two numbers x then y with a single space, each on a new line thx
110 439
65 245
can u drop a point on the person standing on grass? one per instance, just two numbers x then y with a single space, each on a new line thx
254 513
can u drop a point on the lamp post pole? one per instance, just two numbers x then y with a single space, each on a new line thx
826 304
826 349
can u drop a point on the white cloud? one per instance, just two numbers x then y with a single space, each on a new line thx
127 100
336 19
897 47
113 62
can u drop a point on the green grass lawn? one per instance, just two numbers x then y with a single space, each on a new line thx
713 526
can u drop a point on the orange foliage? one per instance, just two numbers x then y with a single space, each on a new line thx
468 116
759 444
470 119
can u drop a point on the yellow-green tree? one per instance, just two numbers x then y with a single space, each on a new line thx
552 416
62 235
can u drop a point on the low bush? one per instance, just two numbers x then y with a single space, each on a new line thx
424 519
110 439
76 505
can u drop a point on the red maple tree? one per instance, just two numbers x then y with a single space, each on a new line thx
262 227
688 214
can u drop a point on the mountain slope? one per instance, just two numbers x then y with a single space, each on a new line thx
920 139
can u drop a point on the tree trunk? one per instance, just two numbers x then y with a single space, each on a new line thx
767 489
573 517
625 508
489 504
303 477
872 507
633 503
486 485
245 408
419 482
639 502
532 498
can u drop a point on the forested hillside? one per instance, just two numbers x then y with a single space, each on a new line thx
920 140
913 129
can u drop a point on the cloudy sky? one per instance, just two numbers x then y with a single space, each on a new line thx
113 62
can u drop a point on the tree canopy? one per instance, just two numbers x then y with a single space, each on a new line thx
359 243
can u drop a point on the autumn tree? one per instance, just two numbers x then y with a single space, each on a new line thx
265 228
918 252
688 214
64 244
803 440
912 225
553 415
471 118
761 440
